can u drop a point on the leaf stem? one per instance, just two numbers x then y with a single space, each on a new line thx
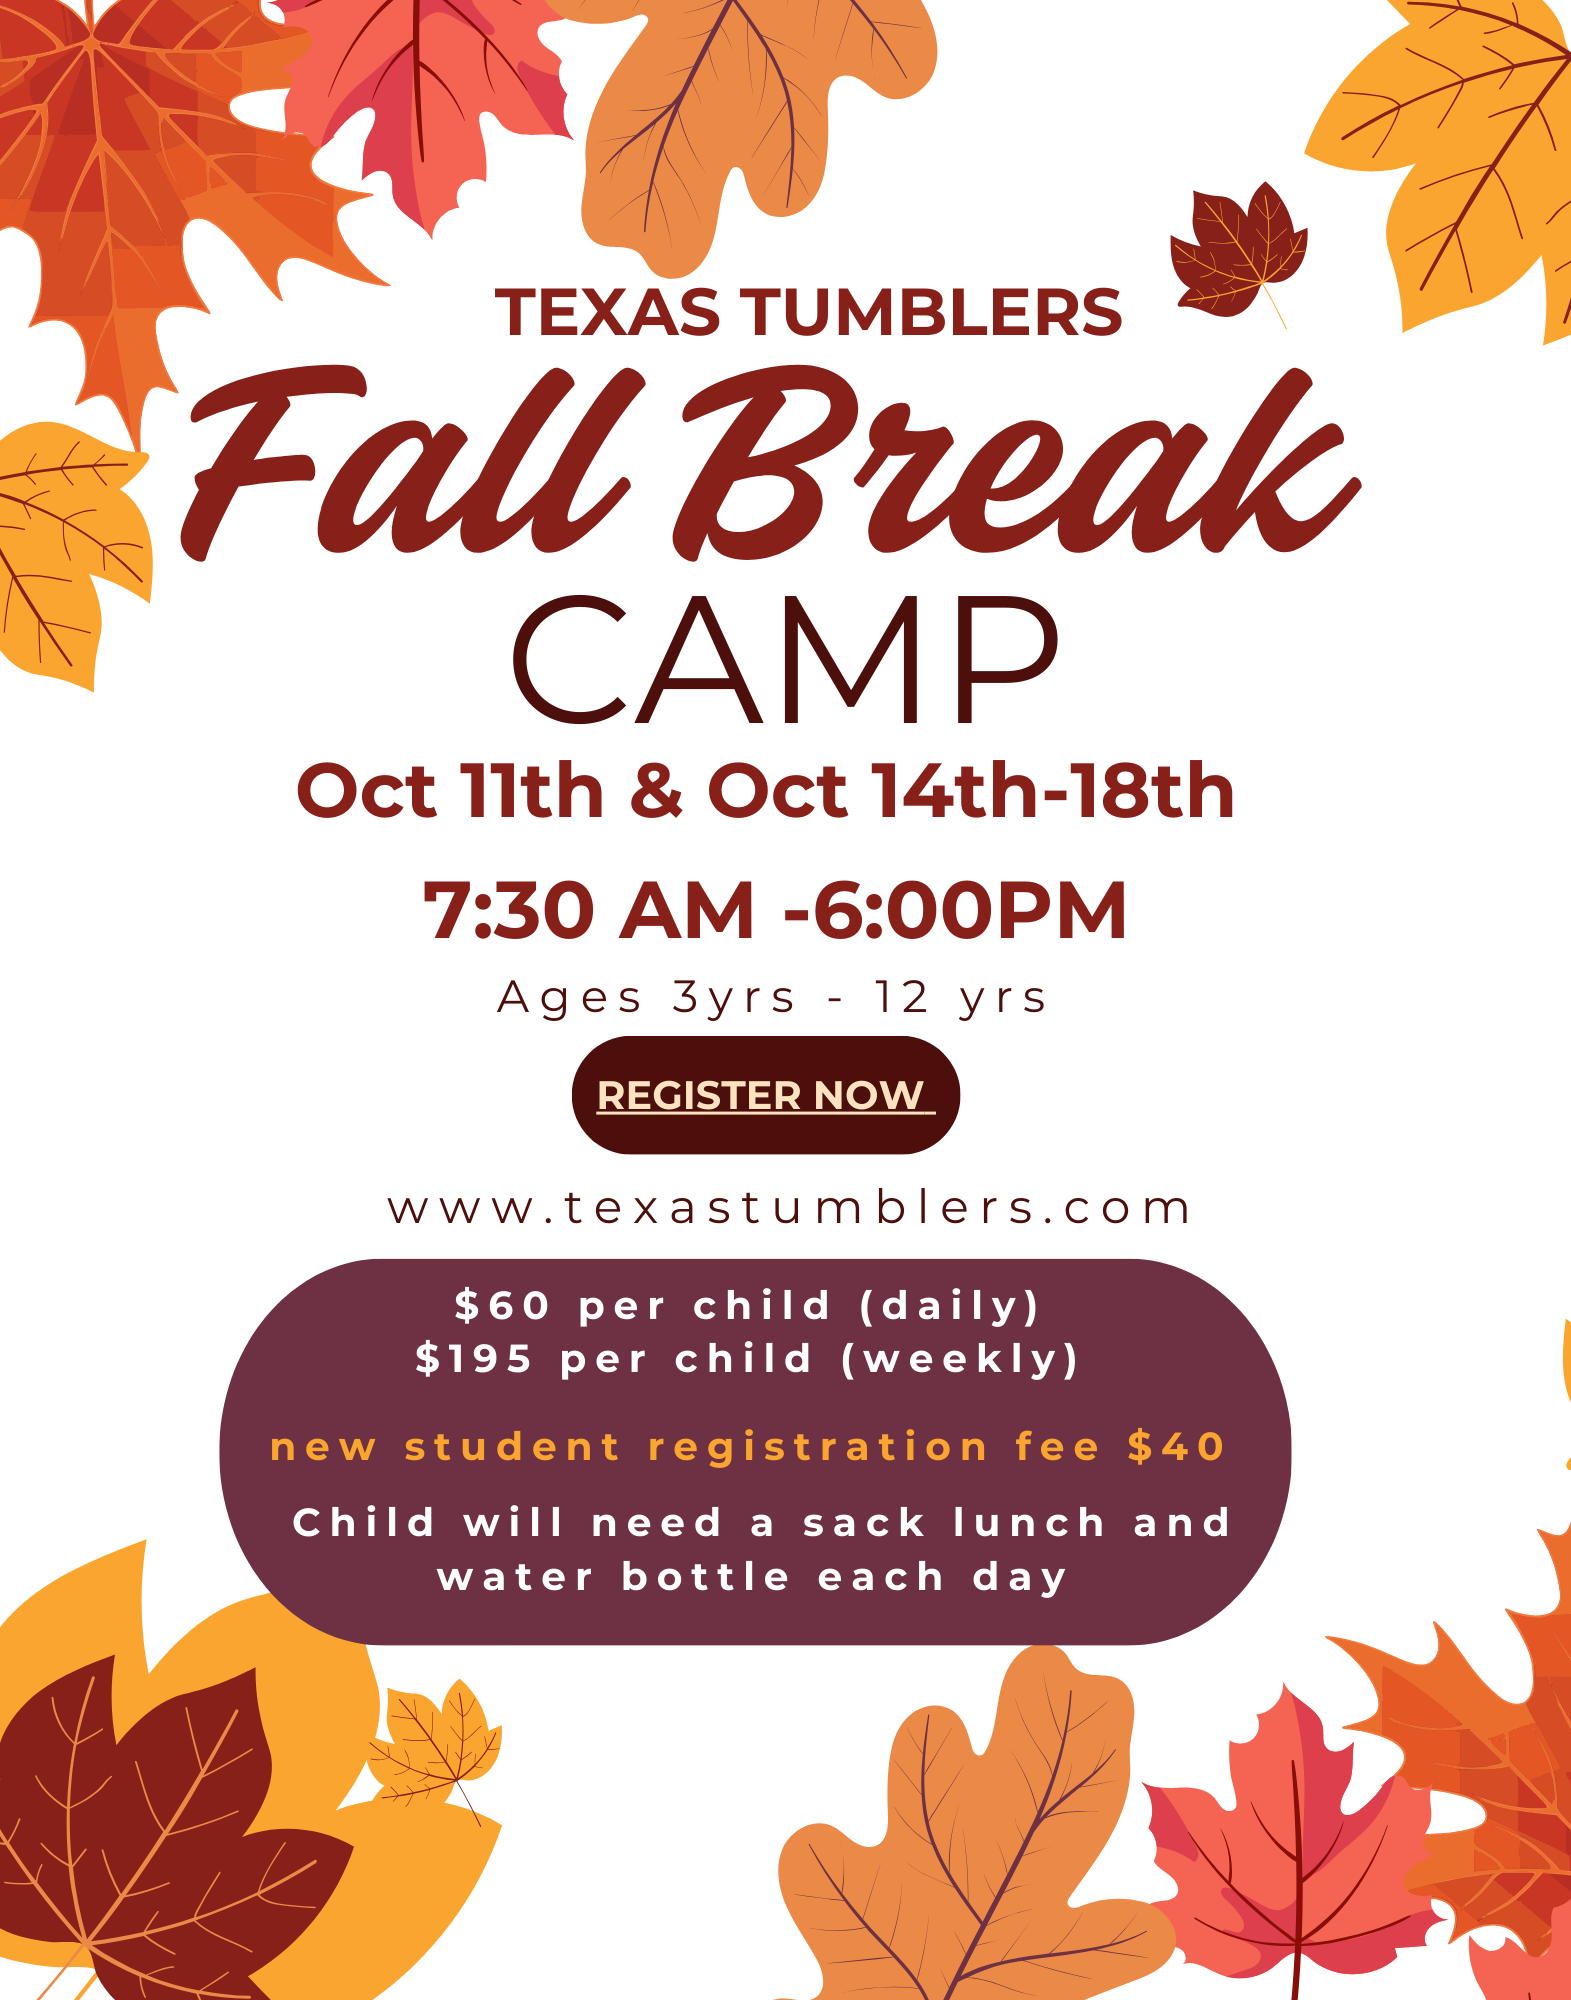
64 1970
1298 1841
1263 286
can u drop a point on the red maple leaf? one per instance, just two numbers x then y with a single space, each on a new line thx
428 68
138 1851
1238 252
1287 1872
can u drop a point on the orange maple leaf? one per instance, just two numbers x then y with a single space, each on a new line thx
116 133
724 84
1512 1757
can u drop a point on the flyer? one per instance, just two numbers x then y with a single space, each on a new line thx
786 913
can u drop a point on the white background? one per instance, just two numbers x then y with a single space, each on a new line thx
1335 1024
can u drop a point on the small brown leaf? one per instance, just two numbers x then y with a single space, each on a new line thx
1237 251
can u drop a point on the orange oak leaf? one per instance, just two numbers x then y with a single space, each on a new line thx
1286 1872
115 133
1509 1974
1512 1758
433 1749
968 1892
719 85
64 521
1475 101
137 1852
428 68
1237 252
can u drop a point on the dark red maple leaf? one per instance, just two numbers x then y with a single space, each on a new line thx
1237 252
1287 1872
138 1850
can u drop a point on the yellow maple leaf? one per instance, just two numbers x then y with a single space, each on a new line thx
64 521
433 1749
1476 101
